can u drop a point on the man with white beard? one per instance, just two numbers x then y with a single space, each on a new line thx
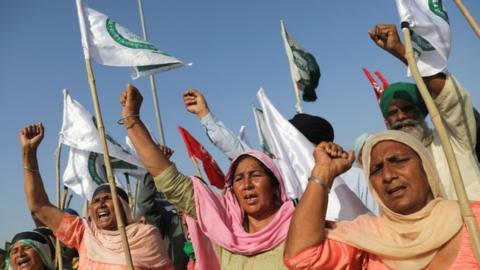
403 109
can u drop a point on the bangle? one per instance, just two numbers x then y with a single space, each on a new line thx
319 182
121 121
31 170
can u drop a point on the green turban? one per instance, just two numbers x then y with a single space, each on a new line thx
404 91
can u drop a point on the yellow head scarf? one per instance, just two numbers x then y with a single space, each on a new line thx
403 241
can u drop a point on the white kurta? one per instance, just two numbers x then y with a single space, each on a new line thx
456 111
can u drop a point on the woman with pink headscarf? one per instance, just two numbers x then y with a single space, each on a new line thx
247 225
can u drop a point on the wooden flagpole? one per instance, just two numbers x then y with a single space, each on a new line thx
197 168
102 137
299 105
466 13
58 247
465 209
108 165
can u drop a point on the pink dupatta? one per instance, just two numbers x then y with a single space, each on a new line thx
220 217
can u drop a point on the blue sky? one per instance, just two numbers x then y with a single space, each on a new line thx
235 46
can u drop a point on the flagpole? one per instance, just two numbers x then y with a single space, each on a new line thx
197 168
466 13
135 198
129 190
257 124
466 211
108 165
67 205
58 249
298 105
64 199
153 85
103 141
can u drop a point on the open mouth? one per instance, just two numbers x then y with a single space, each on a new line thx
103 215
24 262
251 198
396 191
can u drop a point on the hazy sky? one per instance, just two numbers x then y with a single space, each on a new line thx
236 48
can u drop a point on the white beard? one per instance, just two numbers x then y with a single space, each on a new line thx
419 130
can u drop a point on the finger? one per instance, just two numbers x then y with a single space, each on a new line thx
189 103
30 130
350 156
372 35
41 129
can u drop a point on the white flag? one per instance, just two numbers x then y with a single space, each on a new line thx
85 169
303 66
294 156
109 43
262 131
430 27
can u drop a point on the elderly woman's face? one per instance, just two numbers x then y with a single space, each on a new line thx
253 189
397 175
102 211
24 257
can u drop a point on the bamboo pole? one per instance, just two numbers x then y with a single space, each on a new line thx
101 134
466 212
299 104
153 85
58 247
108 165
197 168
466 13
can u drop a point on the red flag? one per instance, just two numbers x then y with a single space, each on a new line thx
376 88
384 81
195 149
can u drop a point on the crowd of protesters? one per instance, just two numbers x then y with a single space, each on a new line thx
401 176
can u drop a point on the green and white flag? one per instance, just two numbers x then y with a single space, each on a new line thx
303 66
86 169
111 44
428 20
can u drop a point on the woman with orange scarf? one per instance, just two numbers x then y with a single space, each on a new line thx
417 228
96 239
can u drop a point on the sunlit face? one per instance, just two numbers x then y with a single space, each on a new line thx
102 211
253 189
398 177
405 116
23 257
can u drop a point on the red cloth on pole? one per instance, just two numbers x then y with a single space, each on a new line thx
376 88
210 166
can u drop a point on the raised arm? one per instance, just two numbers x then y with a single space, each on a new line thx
387 38
308 222
148 152
222 137
30 138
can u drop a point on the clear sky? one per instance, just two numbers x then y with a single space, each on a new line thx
235 46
